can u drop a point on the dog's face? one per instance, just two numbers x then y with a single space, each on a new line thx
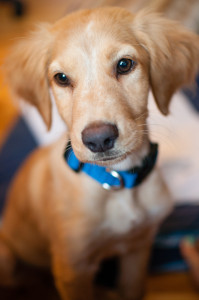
100 84
99 66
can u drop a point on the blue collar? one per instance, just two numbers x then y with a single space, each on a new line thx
111 179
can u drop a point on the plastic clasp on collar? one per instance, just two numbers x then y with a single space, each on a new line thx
115 174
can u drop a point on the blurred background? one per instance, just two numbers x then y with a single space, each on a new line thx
21 130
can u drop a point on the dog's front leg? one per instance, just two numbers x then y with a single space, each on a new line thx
72 284
133 270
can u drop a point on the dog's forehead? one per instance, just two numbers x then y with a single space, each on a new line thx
102 17
94 27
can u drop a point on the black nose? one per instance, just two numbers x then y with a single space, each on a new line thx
100 137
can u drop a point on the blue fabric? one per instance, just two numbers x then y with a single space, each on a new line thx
182 222
16 148
193 95
101 174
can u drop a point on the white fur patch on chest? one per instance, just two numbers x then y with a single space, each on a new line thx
121 214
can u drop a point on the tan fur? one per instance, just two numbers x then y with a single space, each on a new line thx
56 217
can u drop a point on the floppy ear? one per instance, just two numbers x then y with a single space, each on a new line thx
173 53
26 69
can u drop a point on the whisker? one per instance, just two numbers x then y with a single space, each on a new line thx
141 116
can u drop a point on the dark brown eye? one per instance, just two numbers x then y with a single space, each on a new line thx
62 79
125 65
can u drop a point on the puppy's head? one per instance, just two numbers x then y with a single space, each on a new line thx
99 66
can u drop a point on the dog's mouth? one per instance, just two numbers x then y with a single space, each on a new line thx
112 158
108 159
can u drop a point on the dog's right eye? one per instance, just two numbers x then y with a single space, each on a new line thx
62 79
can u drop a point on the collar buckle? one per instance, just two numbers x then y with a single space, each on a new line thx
115 174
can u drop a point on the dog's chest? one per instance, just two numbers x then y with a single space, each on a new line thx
120 224
121 214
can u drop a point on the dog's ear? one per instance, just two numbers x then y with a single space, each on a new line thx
26 69
173 53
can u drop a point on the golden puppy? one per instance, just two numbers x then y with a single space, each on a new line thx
105 198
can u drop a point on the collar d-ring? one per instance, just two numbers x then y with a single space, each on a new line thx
115 174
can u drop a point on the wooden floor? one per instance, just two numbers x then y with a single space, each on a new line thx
160 287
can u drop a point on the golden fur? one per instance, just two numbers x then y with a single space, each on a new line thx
57 218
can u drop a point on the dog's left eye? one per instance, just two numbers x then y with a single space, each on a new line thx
62 79
125 65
